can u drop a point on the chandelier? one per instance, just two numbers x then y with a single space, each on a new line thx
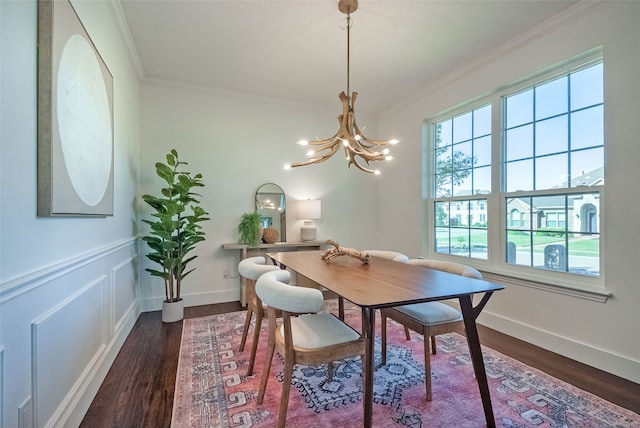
358 149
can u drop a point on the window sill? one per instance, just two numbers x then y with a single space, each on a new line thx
600 296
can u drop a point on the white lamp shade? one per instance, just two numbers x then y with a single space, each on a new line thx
310 209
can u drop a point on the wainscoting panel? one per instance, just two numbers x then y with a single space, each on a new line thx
124 292
64 349
62 327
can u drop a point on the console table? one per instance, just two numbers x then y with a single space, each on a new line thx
263 249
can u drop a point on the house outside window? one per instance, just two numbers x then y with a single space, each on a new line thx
550 177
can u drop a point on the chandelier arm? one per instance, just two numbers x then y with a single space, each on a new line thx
317 159
360 167
361 151
369 140
363 147
331 147
353 152
369 158
319 142
352 157
364 150
375 142
309 162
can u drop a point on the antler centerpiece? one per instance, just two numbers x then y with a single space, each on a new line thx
332 253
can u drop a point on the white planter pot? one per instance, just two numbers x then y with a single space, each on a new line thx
172 311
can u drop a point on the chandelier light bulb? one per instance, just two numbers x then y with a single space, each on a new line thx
385 152
388 158
310 153
303 142
376 172
287 166
393 141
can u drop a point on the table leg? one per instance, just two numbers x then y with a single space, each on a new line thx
368 330
476 357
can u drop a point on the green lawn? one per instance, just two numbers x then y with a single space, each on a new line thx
578 246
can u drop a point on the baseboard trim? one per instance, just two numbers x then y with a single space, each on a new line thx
586 354
192 299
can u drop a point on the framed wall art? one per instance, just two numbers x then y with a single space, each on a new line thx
75 117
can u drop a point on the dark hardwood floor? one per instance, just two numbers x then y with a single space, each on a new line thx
138 390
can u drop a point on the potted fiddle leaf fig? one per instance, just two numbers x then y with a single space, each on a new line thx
249 228
175 230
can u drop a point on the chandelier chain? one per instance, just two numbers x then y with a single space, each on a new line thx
348 51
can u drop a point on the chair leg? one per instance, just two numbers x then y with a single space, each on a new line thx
383 334
271 346
341 308
247 323
330 371
286 388
433 345
406 333
427 368
254 343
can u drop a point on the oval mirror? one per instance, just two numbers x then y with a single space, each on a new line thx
271 204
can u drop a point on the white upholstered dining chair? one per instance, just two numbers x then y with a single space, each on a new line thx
384 254
390 255
304 336
428 319
251 269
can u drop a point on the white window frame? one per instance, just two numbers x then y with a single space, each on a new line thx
495 266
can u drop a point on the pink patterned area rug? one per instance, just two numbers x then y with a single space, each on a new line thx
212 389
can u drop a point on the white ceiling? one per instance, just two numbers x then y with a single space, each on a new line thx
296 49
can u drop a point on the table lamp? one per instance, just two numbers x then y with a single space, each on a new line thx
309 210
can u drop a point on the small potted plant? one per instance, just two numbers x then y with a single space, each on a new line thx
250 228
174 231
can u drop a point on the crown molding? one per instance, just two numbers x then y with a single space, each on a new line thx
572 14
149 80
115 7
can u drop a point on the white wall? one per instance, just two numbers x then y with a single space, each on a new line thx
67 285
604 335
238 143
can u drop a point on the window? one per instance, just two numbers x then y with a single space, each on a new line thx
554 140
462 165
462 153
550 177
554 132
460 234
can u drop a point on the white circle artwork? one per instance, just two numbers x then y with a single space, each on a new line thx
84 120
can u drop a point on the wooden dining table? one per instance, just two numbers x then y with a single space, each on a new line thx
384 283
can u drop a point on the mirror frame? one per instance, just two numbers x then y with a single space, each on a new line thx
279 222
